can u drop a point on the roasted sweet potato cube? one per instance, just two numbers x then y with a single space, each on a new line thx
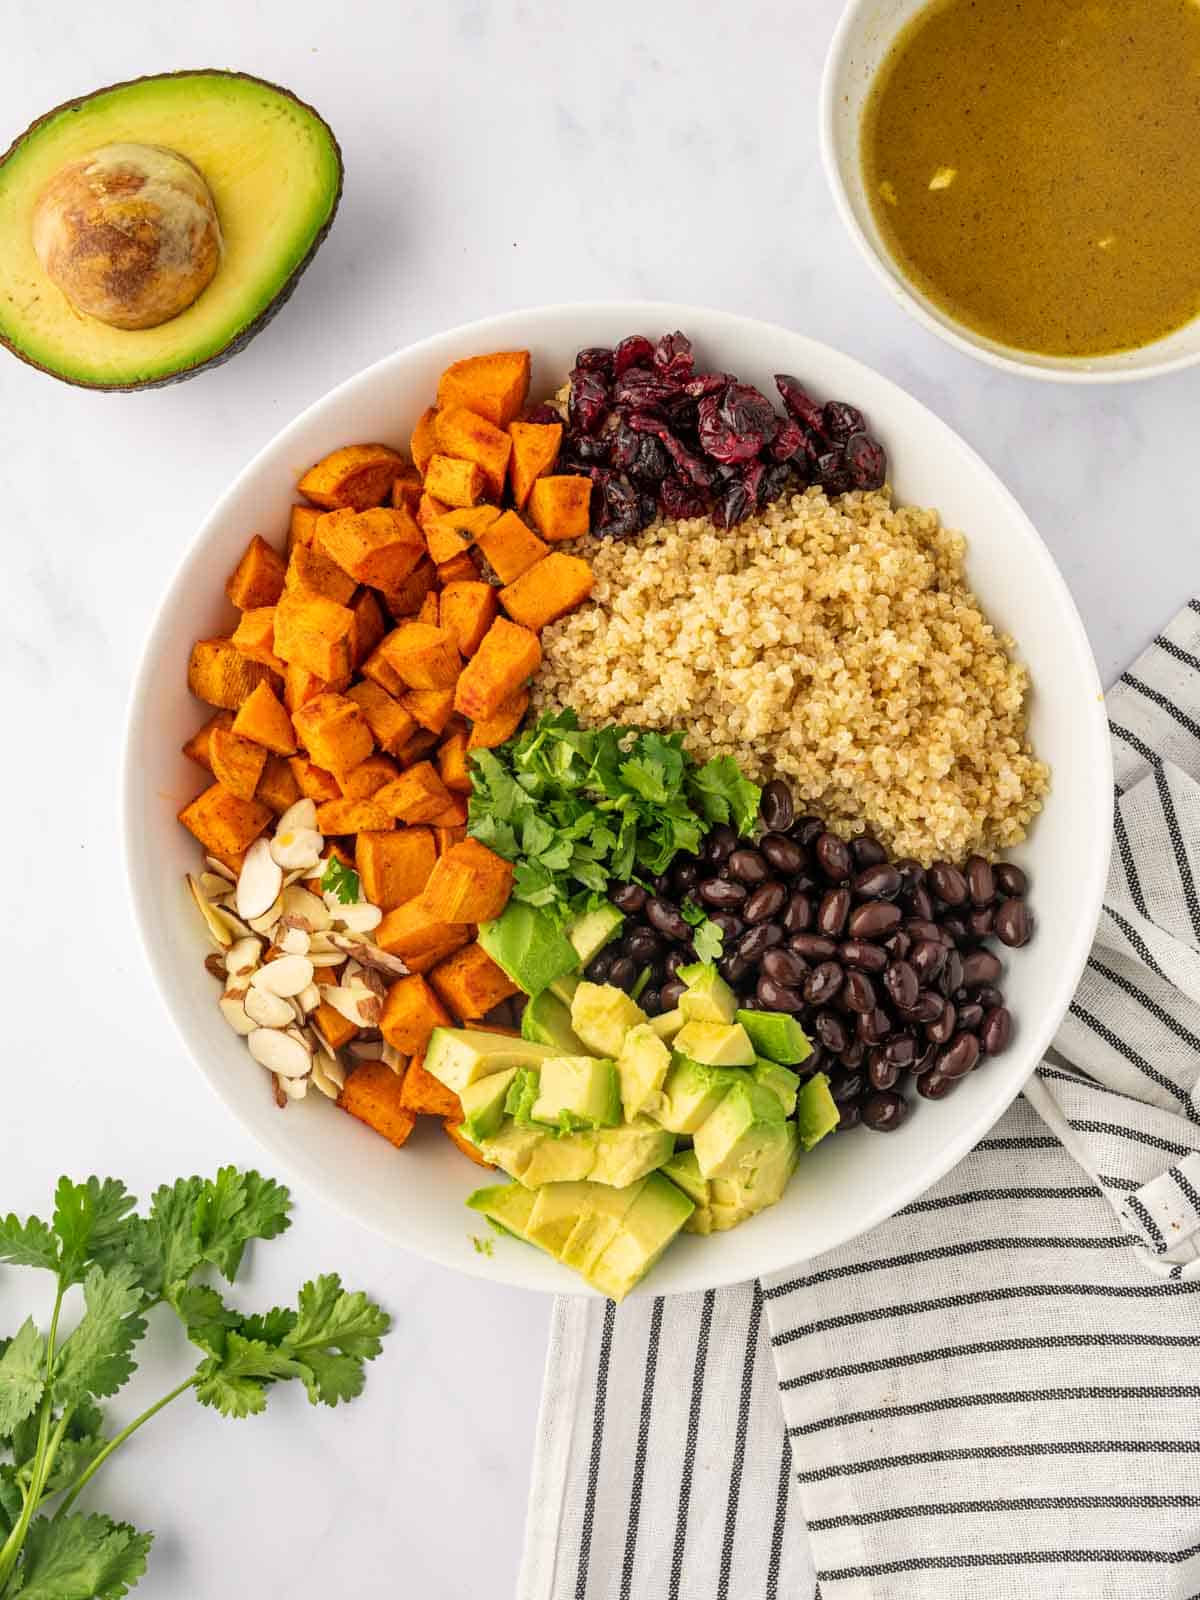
394 866
470 983
510 546
453 1131
548 591
559 506
313 632
494 386
501 725
432 708
370 625
225 825
314 782
381 547
236 762
333 1027
196 749
302 526
429 510
459 569
453 533
452 816
505 661
418 747
535 447
311 571
334 732
389 721
254 636
409 600
417 795
368 777
467 435
277 787
300 686
427 1096
454 765
446 838
357 475
351 816
411 1012
418 939
372 1094
261 718
375 669
454 482
257 580
431 609
468 611
469 884
220 675
424 656
406 489
424 439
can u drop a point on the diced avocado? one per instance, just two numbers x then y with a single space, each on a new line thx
707 998
642 1065
507 1206
646 1230
716 1044
598 1224
557 1207
528 946
512 1147
684 1169
546 1020
691 1092
578 1092
731 1142
522 1093
459 1056
667 1024
724 1202
778 1037
816 1111
781 1081
564 989
483 1104
602 1015
625 1154
591 932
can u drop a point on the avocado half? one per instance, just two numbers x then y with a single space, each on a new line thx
275 172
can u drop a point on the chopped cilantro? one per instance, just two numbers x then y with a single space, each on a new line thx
709 939
483 1247
342 881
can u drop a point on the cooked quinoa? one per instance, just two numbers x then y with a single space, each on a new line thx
835 644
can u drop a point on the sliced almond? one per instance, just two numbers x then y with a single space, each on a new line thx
292 941
285 977
269 918
216 889
233 1009
297 849
309 999
305 909
369 954
370 979
356 1005
294 1088
260 881
392 1057
214 965
218 929
328 1076
321 1040
364 1050
361 917
303 814
325 958
284 1053
219 869
277 1086
267 1009
242 958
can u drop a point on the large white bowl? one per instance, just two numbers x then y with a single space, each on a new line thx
414 1197
864 35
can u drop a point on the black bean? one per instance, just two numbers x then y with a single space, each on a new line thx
623 972
685 875
899 945
952 973
867 850
767 901
1011 882
807 830
901 1050
988 996
850 1115
853 1056
980 967
970 1016
981 881
644 945
833 857
822 983
831 1030
775 807
923 928
662 885
798 914
911 873
734 969
979 922
874 919
881 1072
833 911
671 992
860 992
774 996
784 854
901 982
1014 925
934 1086
995 1031
924 1059
721 892
920 902
955 929
941 1029
867 957
884 1110
959 1056
878 882
673 960
630 898
651 1002
729 923
817 1061
719 844
927 958
666 919
948 883
748 866
756 941
874 1026
599 967
813 946
785 967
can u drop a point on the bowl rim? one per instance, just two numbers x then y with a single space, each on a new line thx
1003 358
1072 957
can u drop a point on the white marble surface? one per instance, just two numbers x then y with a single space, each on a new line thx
496 155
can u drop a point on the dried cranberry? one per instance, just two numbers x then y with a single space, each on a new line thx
735 503
623 447
640 387
591 452
707 383
673 357
649 508
839 421
866 461
620 499
686 464
543 414
653 463
773 482
799 404
736 424
596 358
636 351
682 413
789 437
589 402
832 472
679 500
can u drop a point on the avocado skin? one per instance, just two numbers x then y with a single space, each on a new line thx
239 340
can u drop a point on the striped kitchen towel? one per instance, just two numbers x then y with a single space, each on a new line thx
997 1392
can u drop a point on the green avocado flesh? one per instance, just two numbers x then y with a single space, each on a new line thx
275 173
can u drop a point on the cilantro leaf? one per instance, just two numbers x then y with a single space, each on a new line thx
81 1558
96 1358
74 1455
12 1501
235 1208
235 1383
28 1244
709 940
90 1220
272 1326
205 1316
22 1377
164 1247
335 1332
724 795
341 881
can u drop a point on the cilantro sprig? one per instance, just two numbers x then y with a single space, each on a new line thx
52 1434
342 881
709 937
578 808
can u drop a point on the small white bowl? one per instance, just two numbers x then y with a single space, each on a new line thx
865 34
414 1196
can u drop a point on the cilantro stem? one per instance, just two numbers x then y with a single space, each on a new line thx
94 1466
43 1457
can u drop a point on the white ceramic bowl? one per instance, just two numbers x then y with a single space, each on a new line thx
414 1197
866 32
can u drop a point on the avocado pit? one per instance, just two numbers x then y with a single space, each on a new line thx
129 234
